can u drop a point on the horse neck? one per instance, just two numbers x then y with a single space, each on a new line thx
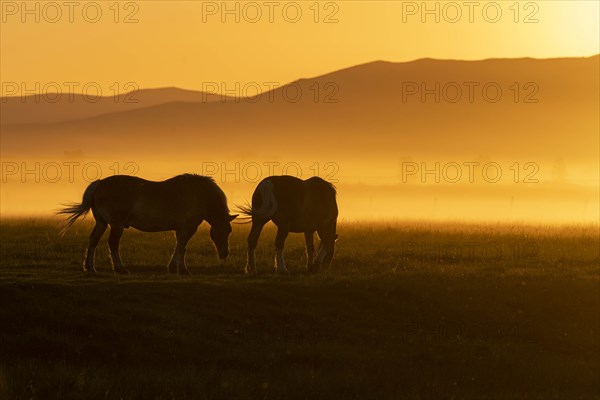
215 210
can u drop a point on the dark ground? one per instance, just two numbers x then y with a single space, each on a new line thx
407 311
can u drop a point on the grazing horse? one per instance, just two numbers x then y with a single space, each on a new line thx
294 205
178 204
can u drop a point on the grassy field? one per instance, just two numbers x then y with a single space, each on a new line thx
408 311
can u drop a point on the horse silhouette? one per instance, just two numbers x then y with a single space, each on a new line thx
294 205
179 204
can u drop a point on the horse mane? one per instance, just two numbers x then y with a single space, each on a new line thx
191 175
332 188
210 182
330 185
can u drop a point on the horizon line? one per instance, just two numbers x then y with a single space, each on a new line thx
6 98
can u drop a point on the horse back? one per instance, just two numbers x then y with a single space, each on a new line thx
120 190
146 205
304 204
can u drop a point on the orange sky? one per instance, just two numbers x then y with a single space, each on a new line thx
192 44
186 44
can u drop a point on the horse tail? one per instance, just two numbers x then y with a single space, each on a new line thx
266 193
74 210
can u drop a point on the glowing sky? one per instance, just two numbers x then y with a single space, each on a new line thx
186 43
191 44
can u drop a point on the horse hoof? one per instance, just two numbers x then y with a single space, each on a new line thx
249 270
90 270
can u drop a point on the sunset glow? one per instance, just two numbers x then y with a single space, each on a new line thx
313 199
185 44
463 111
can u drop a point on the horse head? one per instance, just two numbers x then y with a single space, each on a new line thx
219 233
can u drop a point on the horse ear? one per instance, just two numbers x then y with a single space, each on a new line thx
232 217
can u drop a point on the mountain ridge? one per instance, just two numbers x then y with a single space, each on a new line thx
370 113
182 95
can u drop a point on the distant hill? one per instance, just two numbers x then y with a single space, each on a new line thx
549 108
45 109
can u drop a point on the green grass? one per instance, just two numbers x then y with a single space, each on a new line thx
408 310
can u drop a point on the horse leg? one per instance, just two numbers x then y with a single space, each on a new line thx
319 262
326 247
177 264
97 232
116 231
282 232
310 250
252 242
173 263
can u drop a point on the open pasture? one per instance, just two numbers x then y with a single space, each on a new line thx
408 310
